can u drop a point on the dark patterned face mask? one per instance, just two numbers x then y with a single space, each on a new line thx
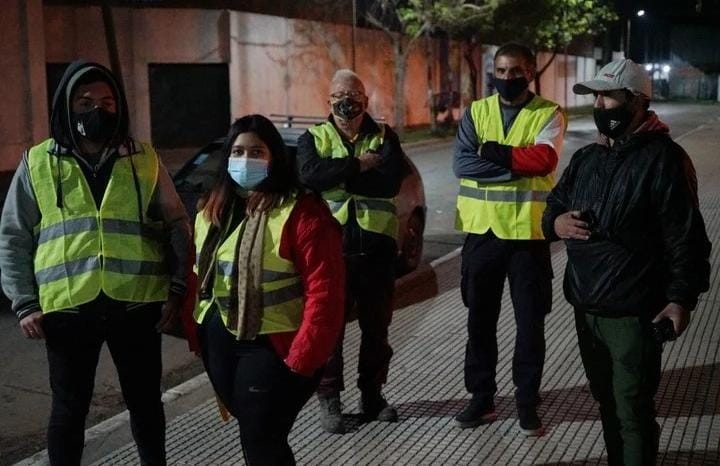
347 108
612 122
97 125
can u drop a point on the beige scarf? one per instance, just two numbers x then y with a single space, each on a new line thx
246 303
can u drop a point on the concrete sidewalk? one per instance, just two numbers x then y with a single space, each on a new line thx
426 382
426 386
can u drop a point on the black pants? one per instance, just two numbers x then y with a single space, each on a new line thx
73 346
257 388
486 261
370 287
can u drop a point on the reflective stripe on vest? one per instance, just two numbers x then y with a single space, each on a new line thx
89 264
79 225
503 196
282 289
82 250
512 209
373 214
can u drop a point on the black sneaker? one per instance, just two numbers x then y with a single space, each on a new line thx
476 413
331 418
530 423
376 408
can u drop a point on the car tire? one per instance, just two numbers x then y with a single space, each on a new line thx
412 246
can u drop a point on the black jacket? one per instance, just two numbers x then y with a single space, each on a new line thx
321 174
648 244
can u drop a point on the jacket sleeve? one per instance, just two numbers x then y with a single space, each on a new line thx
558 201
467 162
541 158
385 179
537 159
315 241
319 173
19 216
166 205
684 239
702 247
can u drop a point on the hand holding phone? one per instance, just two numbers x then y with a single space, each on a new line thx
663 331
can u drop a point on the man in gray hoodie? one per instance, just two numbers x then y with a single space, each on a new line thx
93 246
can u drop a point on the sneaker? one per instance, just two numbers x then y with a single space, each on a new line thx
476 413
331 418
376 408
530 423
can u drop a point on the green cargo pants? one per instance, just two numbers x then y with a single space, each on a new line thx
622 362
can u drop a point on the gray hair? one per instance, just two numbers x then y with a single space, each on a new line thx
344 75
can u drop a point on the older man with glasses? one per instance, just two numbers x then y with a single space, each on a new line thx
355 163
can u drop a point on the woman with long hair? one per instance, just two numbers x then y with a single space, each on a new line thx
271 288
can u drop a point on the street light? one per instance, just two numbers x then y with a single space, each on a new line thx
639 13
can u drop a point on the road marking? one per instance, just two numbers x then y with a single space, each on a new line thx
692 131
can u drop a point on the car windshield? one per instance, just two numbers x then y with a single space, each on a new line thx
200 174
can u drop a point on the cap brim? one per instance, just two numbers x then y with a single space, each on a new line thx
596 85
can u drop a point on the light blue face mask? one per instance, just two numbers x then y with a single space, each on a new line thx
247 173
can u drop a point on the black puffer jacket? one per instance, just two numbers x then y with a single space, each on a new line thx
649 245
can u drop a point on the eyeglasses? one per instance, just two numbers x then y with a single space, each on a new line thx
343 94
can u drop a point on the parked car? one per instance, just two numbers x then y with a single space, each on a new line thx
197 176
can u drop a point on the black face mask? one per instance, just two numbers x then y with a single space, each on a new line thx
347 108
614 121
97 125
510 89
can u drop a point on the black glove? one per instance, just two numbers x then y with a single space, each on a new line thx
499 154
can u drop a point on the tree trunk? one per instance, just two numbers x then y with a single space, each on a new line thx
469 55
542 70
400 59
567 73
429 65
458 76
111 40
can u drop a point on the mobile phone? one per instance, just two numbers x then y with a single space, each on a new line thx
664 331
588 216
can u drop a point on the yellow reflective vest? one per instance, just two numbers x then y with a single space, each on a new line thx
373 213
282 290
511 209
82 250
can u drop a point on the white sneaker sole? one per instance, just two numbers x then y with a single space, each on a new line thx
539 432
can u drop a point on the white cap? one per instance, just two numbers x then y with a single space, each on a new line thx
619 74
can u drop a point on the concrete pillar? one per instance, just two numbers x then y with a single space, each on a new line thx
24 116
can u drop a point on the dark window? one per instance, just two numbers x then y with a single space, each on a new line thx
189 104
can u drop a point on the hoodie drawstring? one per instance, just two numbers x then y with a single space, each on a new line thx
58 190
137 190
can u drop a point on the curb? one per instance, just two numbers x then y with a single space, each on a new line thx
426 142
424 282
423 270
99 431
121 419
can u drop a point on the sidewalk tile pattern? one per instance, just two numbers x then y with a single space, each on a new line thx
426 386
